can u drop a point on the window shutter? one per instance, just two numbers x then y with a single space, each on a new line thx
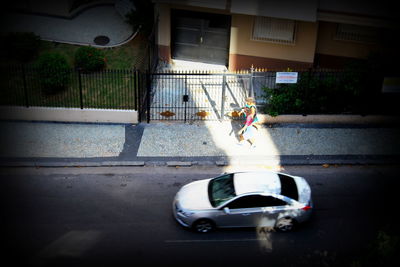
356 33
274 30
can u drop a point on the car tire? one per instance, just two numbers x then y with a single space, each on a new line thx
203 226
285 225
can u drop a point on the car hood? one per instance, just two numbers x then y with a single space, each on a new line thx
194 196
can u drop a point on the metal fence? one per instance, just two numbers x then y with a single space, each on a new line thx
262 78
189 96
109 89
204 95
184 96
327 91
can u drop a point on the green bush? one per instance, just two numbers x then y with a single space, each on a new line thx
315 93
89 59
21 46
283 100
54 72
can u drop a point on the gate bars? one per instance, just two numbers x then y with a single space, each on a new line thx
189 96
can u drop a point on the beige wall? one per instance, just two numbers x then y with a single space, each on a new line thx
242 44
326 44
163 11
68 114
240 41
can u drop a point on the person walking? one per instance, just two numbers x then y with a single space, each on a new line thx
249 130
250 108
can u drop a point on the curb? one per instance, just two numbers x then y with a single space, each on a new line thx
267 161
72 164
179 163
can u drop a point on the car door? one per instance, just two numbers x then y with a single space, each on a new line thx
272 208
245 211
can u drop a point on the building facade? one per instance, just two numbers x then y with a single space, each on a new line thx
274 34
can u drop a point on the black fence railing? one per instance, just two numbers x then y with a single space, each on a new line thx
267 79
109 89
325 91
195 95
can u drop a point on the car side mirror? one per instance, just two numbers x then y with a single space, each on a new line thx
226 210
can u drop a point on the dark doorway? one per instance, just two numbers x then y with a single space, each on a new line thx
200 37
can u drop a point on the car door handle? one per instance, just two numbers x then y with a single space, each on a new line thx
246 214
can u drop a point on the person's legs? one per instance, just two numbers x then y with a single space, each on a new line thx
252 142
241 140
252 136
248 135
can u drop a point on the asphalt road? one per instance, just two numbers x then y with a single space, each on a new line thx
122 216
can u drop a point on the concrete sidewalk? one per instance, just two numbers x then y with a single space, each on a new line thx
202 143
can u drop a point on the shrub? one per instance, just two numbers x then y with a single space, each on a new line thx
320 92
89 59
54 72
283 100
21 46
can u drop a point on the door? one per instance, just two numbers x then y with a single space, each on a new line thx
241 212
200 37
252 211
272 209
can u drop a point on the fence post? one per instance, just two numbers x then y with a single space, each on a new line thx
80 88
140 94
25 88
251 81
185 98
148 95
305 110
135 90
223 95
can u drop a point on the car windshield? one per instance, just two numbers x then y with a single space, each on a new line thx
288 187
221 189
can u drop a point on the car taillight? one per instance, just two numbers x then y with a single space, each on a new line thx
305 208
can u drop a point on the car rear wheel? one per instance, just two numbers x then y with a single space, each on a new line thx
204 226
285 224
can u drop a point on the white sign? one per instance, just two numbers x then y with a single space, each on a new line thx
286 77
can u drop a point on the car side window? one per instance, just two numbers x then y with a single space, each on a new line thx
255 202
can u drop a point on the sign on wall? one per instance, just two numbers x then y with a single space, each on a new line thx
286 77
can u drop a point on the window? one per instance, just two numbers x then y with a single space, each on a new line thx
256 202
221 189
273 30
288 187
356 33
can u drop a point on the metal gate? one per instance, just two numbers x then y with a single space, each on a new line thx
197 96
200 36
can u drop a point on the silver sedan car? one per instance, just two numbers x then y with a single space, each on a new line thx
244 199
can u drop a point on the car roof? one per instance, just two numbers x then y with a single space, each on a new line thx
262 181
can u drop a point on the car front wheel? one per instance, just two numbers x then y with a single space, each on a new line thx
204 226
285 224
